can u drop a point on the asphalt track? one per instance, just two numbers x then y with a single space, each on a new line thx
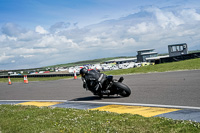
169 94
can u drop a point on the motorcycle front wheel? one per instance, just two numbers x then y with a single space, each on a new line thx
123 90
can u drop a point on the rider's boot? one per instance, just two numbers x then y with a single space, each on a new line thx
121 79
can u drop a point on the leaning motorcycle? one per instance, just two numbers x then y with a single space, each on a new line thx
109 87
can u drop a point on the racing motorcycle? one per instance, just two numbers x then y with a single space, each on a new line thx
109 87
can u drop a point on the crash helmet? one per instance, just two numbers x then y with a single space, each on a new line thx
83 71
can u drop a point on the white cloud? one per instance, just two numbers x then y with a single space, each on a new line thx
56 41
4 38
166 18
187 32
27 56
91 39
190 14
39 29
128 41
59 26
28 36
141 28
5 58
11 29
35 51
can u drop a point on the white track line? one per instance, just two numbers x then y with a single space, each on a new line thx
116 103
33 100
140 104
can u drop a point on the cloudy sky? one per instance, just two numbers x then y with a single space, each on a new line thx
36 33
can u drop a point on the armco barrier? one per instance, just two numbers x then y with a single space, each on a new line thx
38 75
180 57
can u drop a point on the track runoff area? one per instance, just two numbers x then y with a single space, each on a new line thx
146 110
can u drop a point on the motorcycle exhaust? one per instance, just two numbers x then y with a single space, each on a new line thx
121 79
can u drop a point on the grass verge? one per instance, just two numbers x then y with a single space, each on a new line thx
31 119
34 79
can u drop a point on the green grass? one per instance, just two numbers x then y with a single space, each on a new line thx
173 66
30 119
34 79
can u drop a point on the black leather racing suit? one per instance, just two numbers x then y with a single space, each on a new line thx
93 81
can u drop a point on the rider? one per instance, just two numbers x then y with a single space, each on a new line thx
92 80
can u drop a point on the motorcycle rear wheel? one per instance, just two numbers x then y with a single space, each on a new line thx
123 90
